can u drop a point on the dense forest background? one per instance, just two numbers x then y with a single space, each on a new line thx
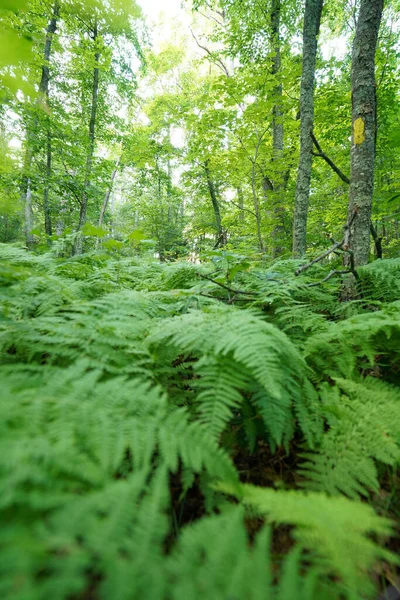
195 141
200 300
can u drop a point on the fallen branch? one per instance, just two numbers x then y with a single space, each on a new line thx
328 277
344 246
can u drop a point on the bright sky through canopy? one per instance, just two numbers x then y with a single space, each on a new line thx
153 8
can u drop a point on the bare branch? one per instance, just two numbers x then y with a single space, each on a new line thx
216 61
330 162
243 208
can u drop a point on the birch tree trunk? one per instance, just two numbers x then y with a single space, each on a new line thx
91 146
312 19
43 99
363 127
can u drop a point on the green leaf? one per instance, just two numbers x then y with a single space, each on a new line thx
91 230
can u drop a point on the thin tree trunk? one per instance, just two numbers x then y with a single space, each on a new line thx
241 204
256 207
312 19
108 192
46 206
362 155
90 153
26 191
277 132
28 213
213 195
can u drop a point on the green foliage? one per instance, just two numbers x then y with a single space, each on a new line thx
333 528
364 429
240 354
122 385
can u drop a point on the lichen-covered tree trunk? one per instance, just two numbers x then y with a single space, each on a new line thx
312 19
90 153
364 127
277 132
26 191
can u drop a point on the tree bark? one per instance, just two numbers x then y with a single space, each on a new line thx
312 19
277 132
91 146
26 191
362 157
215 204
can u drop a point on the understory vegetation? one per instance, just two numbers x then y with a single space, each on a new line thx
188 431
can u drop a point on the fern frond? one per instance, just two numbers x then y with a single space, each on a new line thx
335 529
348 345
242 342
364 427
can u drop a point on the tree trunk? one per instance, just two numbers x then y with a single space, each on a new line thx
90 153
277 132
363 127
241 204
312 19
213 195
28 213
26 191
108 192
46 206
256 205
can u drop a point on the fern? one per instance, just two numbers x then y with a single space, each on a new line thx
238 352
119 377
349 345
334 529
213 559
380 280
364 420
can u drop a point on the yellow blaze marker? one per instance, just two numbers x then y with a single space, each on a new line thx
359 131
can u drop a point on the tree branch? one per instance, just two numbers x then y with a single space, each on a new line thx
243 208
377 240
330 162
229 289
217 61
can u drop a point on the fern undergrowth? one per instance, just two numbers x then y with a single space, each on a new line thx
129 390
